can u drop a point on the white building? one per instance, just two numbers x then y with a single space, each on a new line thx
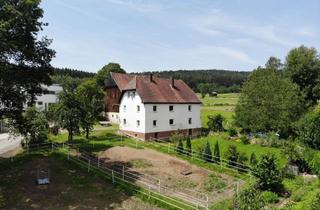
49 97
151 107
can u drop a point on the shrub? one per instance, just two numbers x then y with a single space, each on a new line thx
315 204
235 159
214 182
188 147
215 122
54 130
253 159
269 197
180 147
250 198
207 154
308 130
232 132
245 140
268 174
216 153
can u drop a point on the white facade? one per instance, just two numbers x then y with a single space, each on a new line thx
149 118
113 117
45 100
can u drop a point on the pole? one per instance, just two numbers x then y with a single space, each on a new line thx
98 162
112 177
78 154
89 165
68 154
149 191
159 185
136 143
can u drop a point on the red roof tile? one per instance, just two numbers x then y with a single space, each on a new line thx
159 90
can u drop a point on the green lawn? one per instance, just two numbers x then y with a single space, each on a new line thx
243 148
224 104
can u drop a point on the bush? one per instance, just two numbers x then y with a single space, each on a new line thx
268 174
214 182
308 130
54 130
269 197
235 158
180 147
188 147
232 132
215 123
207 154
315 204
216 153
250 198
245 140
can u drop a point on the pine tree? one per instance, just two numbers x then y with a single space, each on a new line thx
207 154
188 147
253 159
180 147
216 153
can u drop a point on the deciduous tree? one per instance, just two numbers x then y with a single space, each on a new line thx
103 76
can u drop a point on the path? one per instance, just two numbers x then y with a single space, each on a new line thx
9 145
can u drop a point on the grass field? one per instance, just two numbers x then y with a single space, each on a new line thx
224 104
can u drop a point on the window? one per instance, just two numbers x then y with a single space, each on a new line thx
138 108
154 108
171 108
124 108
171 121
154 123
138 123
124 121
190 121
189 108
40 103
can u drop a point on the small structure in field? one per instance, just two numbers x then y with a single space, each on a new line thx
43 176
213 94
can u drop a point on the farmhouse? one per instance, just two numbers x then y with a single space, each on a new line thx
148 107
49 97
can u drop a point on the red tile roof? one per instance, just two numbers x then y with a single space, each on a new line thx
159 90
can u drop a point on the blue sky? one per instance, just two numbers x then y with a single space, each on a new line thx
146 35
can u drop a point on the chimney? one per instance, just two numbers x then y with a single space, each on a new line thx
151 78
172 82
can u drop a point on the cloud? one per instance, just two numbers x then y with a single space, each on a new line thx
138 5
220 23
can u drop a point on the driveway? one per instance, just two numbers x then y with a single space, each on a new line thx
9 145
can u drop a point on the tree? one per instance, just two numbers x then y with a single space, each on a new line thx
68 110
215 123
267 173
253 159
34 126
274 63
204 88
249 199
216 153
207 154
90 97
268 102
24 57
180 146
103 76
188 147
303 68
308 129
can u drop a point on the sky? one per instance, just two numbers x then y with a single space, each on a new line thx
144 35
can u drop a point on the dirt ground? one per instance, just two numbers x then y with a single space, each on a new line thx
161 166
70 188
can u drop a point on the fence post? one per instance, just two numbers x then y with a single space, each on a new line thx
149 191
169 147
112 177
68 154
159 185
78 154
51 146
122 172
136 143
89 165
98 162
